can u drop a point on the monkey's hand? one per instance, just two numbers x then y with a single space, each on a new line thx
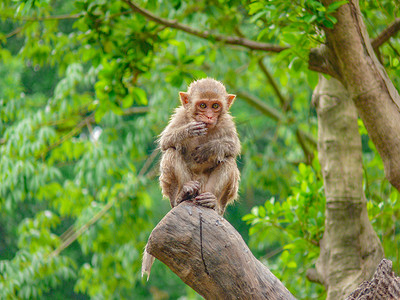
189 190
206 199
196 129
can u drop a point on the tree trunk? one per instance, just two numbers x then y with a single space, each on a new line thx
210 256
350 248
350 58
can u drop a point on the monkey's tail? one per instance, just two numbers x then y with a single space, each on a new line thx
147 262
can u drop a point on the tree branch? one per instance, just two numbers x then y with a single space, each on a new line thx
88 120
267 110
384 285
274 115
14 32
46 18
308 153
285 106
72 235
386 34
231 40
284 102
210 256
322 60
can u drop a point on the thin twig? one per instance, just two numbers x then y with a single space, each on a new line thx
70 235
148 162
82 229
88 120
39 19
308 154
273 114
14 32
267 110
284 102
69 135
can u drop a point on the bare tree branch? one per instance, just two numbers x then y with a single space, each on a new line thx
267 110
274 114
385 35
284 102
285 106
231 40
308 153
14 32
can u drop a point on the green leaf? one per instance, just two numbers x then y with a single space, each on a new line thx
335 5
262 212
310 18
290 38
248 217
332 19
255 7
302 169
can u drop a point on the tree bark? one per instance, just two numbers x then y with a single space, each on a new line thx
384 285
210 256
352 60
350 248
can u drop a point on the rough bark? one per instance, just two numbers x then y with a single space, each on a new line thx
354 62
209 255
350 249
384 285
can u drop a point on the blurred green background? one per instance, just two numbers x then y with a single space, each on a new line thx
86 87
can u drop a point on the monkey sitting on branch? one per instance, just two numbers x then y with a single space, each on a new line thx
199 149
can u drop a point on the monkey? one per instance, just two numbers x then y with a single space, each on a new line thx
199 149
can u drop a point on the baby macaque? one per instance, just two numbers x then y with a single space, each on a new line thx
199 149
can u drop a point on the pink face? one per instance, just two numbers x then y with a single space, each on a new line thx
208 111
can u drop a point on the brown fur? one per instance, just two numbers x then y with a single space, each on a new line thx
217 150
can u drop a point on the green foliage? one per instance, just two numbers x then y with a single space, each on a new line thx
28 275
60 174
86 86
293 229
296 24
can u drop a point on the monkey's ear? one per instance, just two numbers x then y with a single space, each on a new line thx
230 99
185 98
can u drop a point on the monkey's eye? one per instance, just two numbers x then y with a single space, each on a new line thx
215 105
203 105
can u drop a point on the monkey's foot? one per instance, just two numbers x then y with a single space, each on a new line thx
206 199
189 190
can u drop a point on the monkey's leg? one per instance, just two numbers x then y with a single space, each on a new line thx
174 173
223 183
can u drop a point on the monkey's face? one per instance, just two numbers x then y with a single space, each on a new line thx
208 111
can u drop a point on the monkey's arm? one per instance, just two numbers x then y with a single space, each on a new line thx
217 150
173 135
